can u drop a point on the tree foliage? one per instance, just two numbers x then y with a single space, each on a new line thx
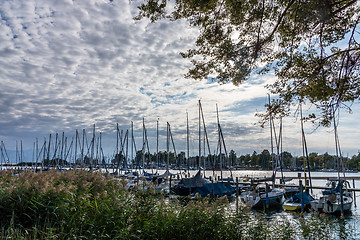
311 44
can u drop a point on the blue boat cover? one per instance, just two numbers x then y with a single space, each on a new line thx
306 198
335 190
217 189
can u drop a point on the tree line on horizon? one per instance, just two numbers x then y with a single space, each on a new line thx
264 160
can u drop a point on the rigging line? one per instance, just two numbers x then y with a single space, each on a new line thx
5 151
172 140
206 137
70 148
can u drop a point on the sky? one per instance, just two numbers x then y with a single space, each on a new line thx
67 65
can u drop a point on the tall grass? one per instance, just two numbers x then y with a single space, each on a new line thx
82 205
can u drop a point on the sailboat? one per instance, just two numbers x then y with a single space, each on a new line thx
187 186
336 200
200 184
298 202
261 196
302 199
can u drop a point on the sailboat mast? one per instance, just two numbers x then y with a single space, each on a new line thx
187 141
198 164
132 142
75 153
271 142
157 142
303 143
167 145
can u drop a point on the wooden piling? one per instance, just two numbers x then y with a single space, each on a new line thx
267 195
342 199
212 189
170 183
237 195
302 195
354 200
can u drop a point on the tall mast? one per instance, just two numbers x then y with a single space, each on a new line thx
42 162
143 147
199 137
280 147
76 141
305 152
167 146
271 141
17 153
206 141
339 159
37 152
132 142
21 151
33 157
117 142
220 145
82 149
65 155
187 142
157 142
127 148
92 147
48 150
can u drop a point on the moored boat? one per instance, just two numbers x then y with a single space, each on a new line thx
336 200
259 198
298 201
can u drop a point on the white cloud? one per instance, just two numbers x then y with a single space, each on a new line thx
65 65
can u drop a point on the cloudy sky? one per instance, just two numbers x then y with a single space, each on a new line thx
66 65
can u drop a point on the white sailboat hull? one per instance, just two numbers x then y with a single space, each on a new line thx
326 205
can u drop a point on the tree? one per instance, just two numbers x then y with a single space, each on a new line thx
254 159
232 157
312 45
265 159
287 159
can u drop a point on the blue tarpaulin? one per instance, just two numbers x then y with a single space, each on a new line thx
305 195
216 189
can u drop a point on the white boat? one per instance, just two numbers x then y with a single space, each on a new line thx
331 200
259 199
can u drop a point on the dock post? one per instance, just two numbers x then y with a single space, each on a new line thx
342 199
267 195
237 194
170 183
212 189
302 195
354 192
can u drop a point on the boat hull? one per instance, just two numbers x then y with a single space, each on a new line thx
292 206
274 200
327 206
